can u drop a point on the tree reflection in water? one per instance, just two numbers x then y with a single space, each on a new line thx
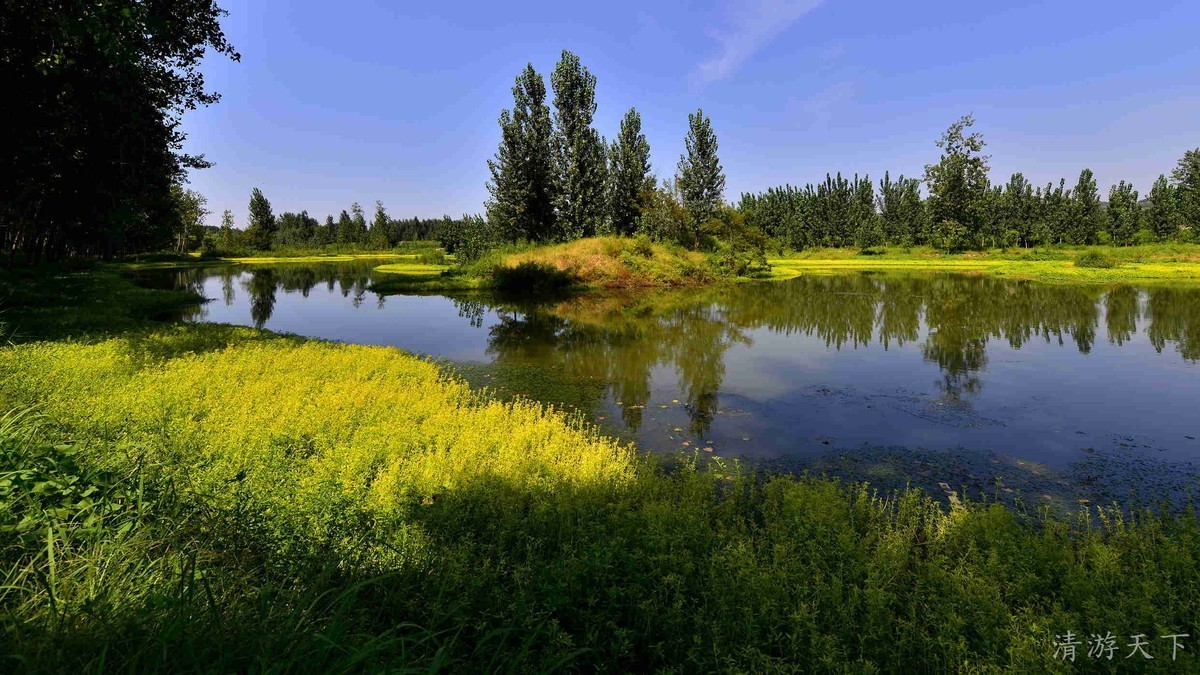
623 338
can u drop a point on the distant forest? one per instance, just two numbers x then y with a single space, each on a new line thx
963 210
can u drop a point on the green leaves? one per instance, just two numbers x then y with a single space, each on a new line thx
700 178
580 156
629 174
958 182
523 186
95 136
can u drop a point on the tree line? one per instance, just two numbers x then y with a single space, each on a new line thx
963 210
555 178
95 93
266 231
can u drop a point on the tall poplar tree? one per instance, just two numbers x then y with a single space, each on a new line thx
358 224
580 156
378 237
225 236
523 186
901 211
1186 176
261 230
1162 216
1018 207
629 174
344 229
1085 211
700 179
1124 214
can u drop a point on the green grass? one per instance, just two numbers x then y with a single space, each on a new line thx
413 269
209 498
1135 264
596 262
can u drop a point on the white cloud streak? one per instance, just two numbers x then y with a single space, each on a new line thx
749 26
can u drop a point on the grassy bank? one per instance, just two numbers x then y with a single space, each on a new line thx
1133 264
204 497
619 262
596 262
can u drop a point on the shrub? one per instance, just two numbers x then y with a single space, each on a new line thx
431 258
950 236
1095 259
532 277
1144 237
643 246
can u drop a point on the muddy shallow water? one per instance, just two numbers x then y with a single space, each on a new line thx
959 382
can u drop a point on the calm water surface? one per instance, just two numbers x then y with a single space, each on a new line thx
984 384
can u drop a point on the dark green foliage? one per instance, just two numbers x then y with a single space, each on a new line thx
700 179
1019 210
1095 259
295 230
1124 213
468 238
227 237
379 236
1162 213
836 212
959 181
740 249
779 213
868 231
579 151
357 231
1085 210
664 218
964 212
1186 177
838 209
189 214
94 98
1054 214
531 278
524 185
263 226
629 174
901 211
47 493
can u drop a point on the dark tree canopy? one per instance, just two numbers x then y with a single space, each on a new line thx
261 232
700 180
580 156
524 185
629 174
959 180
96 92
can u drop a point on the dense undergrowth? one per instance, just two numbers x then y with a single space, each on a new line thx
211 498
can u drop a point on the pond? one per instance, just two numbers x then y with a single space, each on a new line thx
983 385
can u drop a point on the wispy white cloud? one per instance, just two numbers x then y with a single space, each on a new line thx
819 109
748 26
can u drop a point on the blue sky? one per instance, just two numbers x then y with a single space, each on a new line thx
358 100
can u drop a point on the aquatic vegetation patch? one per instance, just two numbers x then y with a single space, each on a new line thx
413 269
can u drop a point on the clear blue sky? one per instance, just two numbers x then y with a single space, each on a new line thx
362 100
